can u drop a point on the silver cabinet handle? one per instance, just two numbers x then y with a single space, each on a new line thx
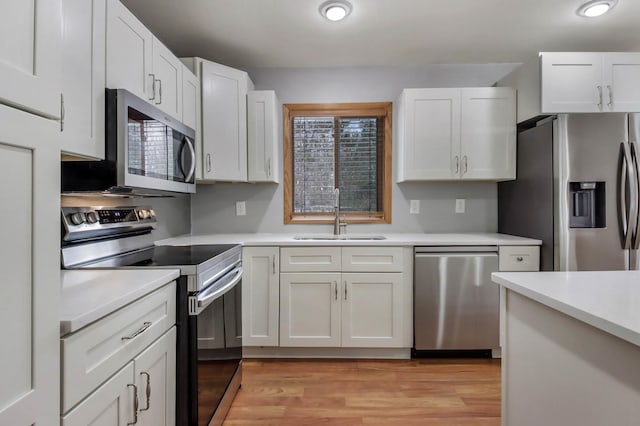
519 259
335 289
62 112
610 104
269 167
159 91
208 162
153 86
273 264
457 164
465 164
135 405
345 290
600 97
147 391
141 330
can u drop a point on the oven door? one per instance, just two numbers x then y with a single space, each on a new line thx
216 348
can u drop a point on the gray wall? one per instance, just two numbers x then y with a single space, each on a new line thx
213 206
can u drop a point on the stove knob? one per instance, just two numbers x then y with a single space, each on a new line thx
76 218
91 217
143 214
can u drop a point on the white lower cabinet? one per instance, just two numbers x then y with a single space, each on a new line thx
260 296
329 297
149 378
121 369
310 309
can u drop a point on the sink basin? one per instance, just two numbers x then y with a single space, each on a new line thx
339 237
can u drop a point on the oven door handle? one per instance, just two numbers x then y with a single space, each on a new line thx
200 302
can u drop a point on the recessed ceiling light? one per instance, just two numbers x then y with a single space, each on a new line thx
595 8
335 10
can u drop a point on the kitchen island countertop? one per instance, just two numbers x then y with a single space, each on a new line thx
607 300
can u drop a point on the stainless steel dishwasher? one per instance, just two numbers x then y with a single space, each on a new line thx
456 306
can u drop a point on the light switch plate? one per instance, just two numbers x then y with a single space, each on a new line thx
460 205
241 208
414 207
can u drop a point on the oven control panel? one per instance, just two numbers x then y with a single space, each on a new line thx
81 222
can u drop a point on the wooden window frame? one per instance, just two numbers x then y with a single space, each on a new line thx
369 109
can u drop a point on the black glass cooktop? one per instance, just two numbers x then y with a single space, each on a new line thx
180 255
165 256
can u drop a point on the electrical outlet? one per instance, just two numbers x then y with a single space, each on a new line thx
414 207
460 205
241 208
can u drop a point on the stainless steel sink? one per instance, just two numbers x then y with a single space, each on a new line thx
339 237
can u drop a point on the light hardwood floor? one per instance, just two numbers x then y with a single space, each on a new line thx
455 392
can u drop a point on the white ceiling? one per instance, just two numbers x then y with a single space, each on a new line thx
291 33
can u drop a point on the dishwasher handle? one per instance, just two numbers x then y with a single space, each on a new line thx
455 249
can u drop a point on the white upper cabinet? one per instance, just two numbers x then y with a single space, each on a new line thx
30 56
83 77
429 134
262 136
590 82
223 120
129 52
167 84
488 133
457 133
190 99
138 62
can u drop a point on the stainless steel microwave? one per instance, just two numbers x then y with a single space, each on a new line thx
146 152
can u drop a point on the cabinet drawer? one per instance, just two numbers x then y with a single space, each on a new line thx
310 259
94 353
519 258
372 259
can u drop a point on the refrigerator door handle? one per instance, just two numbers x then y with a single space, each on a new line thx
628 221
635 207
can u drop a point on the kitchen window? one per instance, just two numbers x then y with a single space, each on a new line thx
345 146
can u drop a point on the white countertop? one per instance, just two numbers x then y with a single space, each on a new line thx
391 239
88 295
608 300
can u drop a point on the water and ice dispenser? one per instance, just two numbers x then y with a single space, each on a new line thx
587 205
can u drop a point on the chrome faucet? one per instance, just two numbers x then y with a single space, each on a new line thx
336 207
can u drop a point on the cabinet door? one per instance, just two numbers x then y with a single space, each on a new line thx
621 81
30 55
30 290
155 376
571 82
190 99
224 122
310 309
83 76
488 133
109 405
167 70
260 296
262 136
372 310
431 134
129 52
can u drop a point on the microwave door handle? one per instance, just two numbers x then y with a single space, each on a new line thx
635 195
192 151
192 168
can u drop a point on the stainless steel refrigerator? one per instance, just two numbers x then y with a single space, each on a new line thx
577 190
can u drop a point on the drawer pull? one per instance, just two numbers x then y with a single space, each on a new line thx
135 405
141 330
519 258
147 391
